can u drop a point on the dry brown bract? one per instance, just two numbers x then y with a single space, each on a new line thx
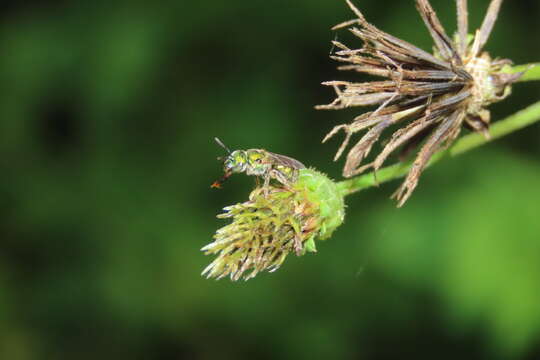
428 96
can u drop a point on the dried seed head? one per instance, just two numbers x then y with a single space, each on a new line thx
428 97
274 222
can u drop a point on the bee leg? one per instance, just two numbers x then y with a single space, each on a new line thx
266 185
284 180
279 177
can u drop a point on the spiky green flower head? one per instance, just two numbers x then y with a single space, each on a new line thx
275 221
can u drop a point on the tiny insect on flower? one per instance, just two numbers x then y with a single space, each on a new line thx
281 217
429 97
259 162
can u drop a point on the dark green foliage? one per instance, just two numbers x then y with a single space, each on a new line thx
108 113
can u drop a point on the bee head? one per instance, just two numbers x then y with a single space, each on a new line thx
236 162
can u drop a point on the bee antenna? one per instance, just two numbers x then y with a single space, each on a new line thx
220 143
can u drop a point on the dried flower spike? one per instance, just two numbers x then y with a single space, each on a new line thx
275 221
428 97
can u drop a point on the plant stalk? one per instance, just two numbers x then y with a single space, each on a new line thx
532 71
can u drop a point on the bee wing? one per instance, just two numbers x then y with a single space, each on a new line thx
286 161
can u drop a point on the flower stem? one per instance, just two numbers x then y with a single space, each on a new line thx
532 71
519 120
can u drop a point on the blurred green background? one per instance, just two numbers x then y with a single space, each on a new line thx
108 111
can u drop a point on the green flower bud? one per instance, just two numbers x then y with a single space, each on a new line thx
274 222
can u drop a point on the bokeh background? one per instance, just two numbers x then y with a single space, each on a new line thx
107 115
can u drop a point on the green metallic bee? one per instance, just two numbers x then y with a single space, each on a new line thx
261 163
